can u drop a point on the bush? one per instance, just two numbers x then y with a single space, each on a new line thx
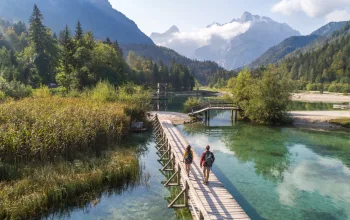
42 92
2 96
265 100
190 103
15 89
104 92
339 87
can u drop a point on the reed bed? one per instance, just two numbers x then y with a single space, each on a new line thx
42 190
44 128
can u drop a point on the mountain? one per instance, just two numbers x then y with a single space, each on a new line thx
95 15
159 37
291 44
325 63
232 44
328 29
204 71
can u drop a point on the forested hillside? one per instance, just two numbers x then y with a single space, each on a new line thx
206 72
97 16
295 43
73 60
327 64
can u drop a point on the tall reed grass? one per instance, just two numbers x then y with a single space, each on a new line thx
42 128
44 189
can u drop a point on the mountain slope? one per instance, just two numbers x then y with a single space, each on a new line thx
95 15
204 71
231 45
291 44
324 62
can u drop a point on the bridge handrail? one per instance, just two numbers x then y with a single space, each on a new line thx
210 104
195 197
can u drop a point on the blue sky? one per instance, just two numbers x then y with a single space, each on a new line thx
158 15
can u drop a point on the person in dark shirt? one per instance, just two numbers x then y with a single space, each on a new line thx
207 160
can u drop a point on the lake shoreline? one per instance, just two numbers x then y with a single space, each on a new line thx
319 120
326 97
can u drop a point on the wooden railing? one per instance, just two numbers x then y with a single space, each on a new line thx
212 104
173 162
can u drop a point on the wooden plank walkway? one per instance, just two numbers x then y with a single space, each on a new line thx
212 201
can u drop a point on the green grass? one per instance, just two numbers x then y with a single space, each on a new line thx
37 190
344 122
53 148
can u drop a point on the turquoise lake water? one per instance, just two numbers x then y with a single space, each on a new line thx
273 172
279 173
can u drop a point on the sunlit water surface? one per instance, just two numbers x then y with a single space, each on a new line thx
279 173
273 172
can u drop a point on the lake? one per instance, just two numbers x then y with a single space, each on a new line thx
273 172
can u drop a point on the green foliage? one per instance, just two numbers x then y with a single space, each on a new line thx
265 100
206 72
190 103
42 92
14 89
150 73
104 92
2 96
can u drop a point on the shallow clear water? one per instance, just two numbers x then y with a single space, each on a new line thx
146 201
273 172
279 173
307 106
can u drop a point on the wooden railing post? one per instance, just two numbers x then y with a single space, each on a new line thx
178 181
186 196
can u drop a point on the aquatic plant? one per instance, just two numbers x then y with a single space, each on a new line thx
44 189
43 128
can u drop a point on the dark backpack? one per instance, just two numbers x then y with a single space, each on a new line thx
208 159
189 157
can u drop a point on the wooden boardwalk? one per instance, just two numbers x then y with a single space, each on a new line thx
210 201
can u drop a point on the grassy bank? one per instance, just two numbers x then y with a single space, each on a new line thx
31 191
46 126
344 122
55 148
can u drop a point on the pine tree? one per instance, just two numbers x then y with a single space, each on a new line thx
118 48
37 30
155 74
65 77
108 41
79 32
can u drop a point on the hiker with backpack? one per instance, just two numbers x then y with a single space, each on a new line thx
188 157
206 162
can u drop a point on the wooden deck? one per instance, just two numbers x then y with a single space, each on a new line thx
210 201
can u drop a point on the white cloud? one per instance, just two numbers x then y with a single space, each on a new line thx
312 8
338 15
187 42
325 176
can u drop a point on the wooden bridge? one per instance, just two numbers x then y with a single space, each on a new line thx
205 108
210 201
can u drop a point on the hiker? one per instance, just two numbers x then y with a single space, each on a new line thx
207 161
188 157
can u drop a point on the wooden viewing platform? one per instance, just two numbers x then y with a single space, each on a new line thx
210 201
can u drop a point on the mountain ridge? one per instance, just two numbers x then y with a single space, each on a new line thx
291 44
93 14
233 44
